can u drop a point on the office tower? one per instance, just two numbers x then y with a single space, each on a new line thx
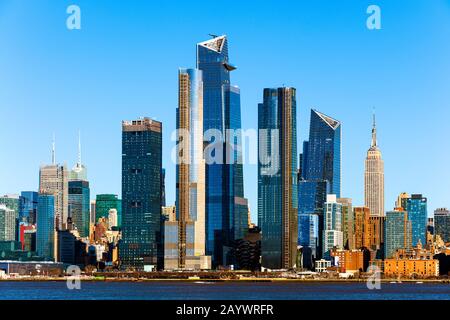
277 178
397 232
106 202
347 223
7 223
66 247
225 202
442 224
374 177
28 207
416 206
45 235
79 206
93 211
190 176
79 196
361 217
321 166
112 218
322 157
12 202
332 229
53 179
141 194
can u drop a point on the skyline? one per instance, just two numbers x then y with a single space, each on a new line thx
135 92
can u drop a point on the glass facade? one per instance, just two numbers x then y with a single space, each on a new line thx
28 206
79 206
397 233
416 206
442 224
141 194
277 178
224 183
332 228
106 202
45 234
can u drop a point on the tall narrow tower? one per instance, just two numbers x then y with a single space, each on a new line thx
374 177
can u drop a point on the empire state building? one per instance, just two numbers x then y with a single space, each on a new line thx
374 178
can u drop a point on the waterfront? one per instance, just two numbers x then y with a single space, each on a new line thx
200 290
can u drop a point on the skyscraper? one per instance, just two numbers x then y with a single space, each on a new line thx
28 207
397 231
141 246
347 223
332 229
416 206
53 179
189 249
106 202
7 224
79 196
277 178
225 202
442 224
320 167
323 155
374 177
45 234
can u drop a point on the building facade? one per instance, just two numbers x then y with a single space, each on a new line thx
106 202
416 206
277 178
442 224
141 244
374 177
45 234
332 230
7 223
397 232
79 206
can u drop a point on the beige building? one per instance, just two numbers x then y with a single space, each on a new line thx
185 241
374 178
53 179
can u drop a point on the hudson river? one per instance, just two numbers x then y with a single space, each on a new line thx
171 290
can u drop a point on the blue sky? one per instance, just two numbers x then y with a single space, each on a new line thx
123 64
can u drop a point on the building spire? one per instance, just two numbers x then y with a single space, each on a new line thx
53 150
79 148
374 131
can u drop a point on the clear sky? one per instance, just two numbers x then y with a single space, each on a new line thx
123 64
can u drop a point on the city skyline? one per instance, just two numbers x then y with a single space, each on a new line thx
104 163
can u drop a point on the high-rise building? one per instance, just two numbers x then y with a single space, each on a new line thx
12 202
79 196
374 177
226 207
28 207
106 202
401 200
53 179
347 223
397 232
368 229
332 229
189 249
45 235
7 223
277 178
442 224
322 158
141 246
416 206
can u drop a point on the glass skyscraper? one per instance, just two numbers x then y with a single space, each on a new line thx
320 169
28 206
416 206
106 202
277 178
397 232
45 234
225 204
79 206
442 224
141 245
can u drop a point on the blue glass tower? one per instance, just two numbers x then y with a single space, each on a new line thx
225 204
320 172
416 206
28 207
45 235
277 178
141 244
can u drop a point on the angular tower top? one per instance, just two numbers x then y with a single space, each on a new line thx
333 123
215 44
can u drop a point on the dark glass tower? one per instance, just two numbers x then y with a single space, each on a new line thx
320 171
277 178
225 202
79 205
141 194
